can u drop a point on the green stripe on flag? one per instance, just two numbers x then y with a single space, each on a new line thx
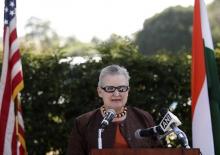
214 95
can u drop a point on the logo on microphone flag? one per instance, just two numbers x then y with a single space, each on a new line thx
205 87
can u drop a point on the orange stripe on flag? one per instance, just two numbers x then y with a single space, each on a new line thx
198 60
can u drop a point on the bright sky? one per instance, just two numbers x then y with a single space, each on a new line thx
85 19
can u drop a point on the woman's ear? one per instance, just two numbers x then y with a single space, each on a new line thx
99 91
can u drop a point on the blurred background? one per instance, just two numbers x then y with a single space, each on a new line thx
62 59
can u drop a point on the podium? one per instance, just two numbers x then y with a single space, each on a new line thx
151 151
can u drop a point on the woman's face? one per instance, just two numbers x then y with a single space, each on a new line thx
114 91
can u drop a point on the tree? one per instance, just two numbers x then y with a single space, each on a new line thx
168 31
41 36
213 13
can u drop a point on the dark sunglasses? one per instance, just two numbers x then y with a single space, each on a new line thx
111 89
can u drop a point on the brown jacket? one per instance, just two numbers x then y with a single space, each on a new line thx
84 135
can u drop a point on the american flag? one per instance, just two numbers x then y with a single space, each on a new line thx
11 122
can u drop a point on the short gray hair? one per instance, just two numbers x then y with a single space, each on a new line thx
113 70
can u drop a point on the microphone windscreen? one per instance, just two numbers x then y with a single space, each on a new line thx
111 111
137 134
109 116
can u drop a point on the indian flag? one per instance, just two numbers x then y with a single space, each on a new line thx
205 87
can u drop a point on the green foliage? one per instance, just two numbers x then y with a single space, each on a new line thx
169 31
42 39
213 14
40 35
117 47
73 47
43 113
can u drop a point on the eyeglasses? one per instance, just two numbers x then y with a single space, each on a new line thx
111 89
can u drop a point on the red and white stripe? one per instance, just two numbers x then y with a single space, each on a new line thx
11 85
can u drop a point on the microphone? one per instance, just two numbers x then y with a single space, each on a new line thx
168 124
109 116
163 127
141 133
